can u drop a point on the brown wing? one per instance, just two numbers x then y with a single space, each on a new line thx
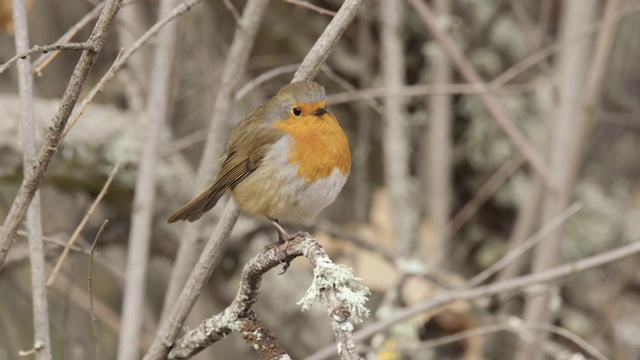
244 155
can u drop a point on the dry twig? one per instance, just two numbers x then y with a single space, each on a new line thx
45 49
80 227
94 320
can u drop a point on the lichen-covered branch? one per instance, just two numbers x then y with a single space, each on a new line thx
335 285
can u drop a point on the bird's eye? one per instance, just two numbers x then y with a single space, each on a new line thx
297 111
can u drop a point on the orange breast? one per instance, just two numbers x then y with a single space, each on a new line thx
319 145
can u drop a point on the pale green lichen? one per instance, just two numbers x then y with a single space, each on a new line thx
348 288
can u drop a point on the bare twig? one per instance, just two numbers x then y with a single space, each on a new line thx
524 246
431 89
263 78
42 336
308 5
232 9
329 285
202 270
94 320
53 137
91 96
493 107
80 227
486 190
45 49
514 284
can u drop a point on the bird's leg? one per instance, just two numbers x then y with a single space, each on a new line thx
283 238
282 233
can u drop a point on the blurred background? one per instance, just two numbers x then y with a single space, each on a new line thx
437 192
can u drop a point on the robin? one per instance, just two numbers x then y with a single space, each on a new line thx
286 160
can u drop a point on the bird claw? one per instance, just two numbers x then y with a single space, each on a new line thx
282 253
285 267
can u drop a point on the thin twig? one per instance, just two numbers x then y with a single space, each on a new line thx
94 320
80 226
486 190
91 96
233 10
45 49
316 8
264 77
53 137
342 82
524 246
431 89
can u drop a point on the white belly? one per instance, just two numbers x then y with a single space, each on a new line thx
275 190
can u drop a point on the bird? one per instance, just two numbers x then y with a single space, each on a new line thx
286 160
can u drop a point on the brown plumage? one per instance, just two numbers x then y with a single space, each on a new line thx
288 159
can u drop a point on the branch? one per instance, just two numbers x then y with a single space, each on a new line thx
493 107
335 285
42 336
32 182
88 46
76 233
505 286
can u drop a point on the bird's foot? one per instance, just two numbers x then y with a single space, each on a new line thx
283 239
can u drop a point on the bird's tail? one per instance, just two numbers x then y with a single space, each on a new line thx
194 209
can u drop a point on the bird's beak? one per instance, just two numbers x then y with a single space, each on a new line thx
320 111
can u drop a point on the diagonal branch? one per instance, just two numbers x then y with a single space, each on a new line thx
491 104
32 182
